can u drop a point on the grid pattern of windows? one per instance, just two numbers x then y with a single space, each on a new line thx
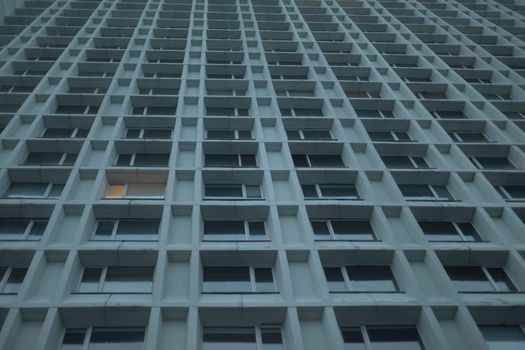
262 174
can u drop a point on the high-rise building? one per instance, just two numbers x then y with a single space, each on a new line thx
262 174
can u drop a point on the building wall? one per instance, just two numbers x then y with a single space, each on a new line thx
439 83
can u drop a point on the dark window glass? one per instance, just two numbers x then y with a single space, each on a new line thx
230 338
73 339
353 339
335 279
226 279
355 230
469 279
395 338
117 338
371 279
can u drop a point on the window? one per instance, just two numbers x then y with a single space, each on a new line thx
511 337
449 115
468 136
242 338
103 338
382 338
479 279
34 190
116 279
76 109
234 230
227 111
370 278
351 230
302 112
512 192
228 134
11 279
22 229
425 193
135 191
492 163
237 191
147 133
405 162
373 113
230 160
330 191
50 159
143 159
237 279
447 231
390 136
314 134
58 133
154 110
126 230
317 160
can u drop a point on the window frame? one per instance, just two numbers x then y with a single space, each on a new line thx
142 131
125 196
412 161
507 195
116 223
490 279
133 158
348 280
240 160
320 196
252 280
60 162
258 334
435 196
45 195
459 232
27 232
73 134
6 276
244 194
302 136
333 235
102 280
247 232
236 134
367 340
88 332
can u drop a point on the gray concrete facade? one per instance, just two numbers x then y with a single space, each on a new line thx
295 174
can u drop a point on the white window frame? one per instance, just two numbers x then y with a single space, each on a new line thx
247 233
113 236
45 195
142 131
29 227
302 137
320 195
435 196
89 331
243 189
333 235
253 281
125 194
258 330
366 338
102 280
348 283
73 134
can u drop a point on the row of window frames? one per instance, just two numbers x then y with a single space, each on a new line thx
270 337
411 192
249 160
466 279
224 134
138 279
137 230
266 337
